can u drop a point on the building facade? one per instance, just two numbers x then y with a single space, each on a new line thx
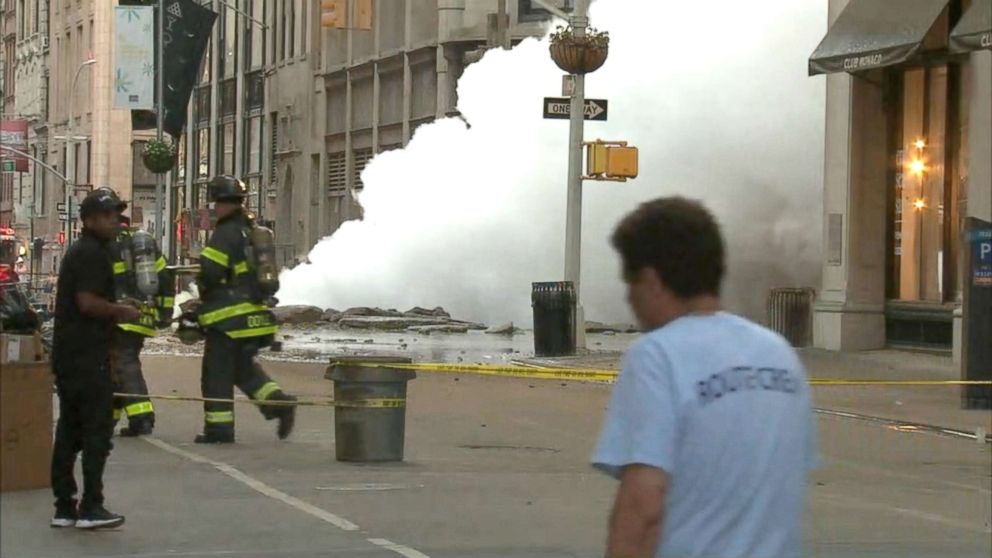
295 109
908 172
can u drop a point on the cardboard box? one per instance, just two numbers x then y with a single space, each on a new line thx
21 348
25 426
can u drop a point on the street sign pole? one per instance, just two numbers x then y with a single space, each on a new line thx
573 212
160 115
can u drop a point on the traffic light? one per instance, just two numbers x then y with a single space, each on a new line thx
62 238
610 161
334 14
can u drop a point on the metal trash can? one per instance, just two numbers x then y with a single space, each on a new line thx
373 433
790 313
554 318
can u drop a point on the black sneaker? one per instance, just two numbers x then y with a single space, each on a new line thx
98 517
65 515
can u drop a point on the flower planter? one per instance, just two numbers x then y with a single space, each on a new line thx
578 58
159 156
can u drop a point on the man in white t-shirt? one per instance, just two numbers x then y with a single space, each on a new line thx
710 427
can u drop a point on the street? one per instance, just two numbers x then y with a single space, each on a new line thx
496 467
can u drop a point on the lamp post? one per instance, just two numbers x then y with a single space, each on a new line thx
71 153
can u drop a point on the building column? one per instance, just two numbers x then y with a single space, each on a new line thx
850 312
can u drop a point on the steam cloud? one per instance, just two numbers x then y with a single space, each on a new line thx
715 95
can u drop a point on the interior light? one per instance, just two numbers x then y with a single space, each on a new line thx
917 166
920 203
920 144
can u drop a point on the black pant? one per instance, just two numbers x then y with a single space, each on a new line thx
85 424
228 362
126 363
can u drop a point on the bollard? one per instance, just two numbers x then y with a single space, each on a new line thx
369 434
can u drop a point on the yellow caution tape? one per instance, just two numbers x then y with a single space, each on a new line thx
602 375
361 404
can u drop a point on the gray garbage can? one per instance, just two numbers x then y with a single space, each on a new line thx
369 434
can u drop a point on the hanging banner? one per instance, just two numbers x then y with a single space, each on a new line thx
14 133
134 57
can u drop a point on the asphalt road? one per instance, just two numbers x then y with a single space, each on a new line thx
495 468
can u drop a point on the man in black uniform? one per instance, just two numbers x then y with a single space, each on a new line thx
235 318
84 321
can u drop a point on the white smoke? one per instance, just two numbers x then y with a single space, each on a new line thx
715 95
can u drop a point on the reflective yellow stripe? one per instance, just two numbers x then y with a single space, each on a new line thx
119 267
252 332
142 408
220 417
241 268
160 264
215 256
230 312
263 393
117 415
136 328
166 301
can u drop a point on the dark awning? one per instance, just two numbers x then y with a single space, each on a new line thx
974 31
875 33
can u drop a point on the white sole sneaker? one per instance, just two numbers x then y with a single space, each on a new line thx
61 523
99 523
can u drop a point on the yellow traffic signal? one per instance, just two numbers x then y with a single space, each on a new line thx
610 160
595 159
334 14
621 162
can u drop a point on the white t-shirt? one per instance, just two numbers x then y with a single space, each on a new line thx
723 406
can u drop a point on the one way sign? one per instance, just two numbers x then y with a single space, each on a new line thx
559 108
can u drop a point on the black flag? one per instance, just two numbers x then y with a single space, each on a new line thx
187 31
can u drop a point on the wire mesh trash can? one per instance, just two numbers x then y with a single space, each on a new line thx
554 318
370 411
790 313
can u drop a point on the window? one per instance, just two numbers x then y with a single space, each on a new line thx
253 145
291 27
337 177
229 42
40 184
228 97
251 202
255 36
202 107
925 221
256 90
205 71
181 158
203 153
281 18
361 158
273 147
225 149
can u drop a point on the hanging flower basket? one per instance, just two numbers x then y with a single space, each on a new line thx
159 156
579 55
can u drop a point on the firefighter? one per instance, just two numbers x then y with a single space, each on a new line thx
129 338
235 317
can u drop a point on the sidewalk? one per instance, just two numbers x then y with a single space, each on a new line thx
931 405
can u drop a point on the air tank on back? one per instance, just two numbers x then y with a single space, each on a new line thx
145 253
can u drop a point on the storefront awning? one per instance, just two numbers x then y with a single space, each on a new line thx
974 31
875 33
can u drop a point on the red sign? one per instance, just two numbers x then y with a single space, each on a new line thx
14 133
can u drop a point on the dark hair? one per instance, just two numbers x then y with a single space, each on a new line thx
677 237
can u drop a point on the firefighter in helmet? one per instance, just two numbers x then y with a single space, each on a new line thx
237 283
141 278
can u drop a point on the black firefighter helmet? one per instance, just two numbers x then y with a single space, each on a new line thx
121 205
226 188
